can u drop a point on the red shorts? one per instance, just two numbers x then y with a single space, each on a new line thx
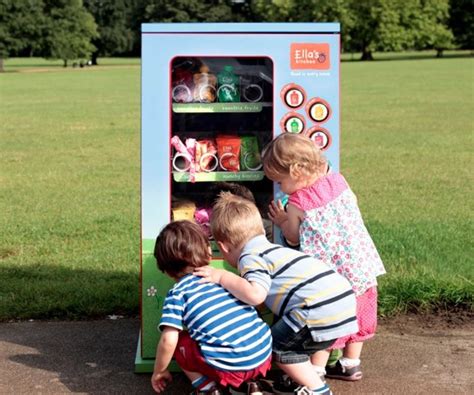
189 357
366 314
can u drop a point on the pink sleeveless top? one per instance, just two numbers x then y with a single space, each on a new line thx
333 230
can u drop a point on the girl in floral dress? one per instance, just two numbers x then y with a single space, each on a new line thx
323 218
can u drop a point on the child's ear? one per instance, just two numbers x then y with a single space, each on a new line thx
223 247
295 170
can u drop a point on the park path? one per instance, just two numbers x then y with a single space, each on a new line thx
410 355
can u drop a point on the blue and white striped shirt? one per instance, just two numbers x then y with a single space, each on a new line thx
230 334
302 290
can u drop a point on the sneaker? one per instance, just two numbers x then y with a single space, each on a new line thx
285 385
251 388
212 391
342 373
306 391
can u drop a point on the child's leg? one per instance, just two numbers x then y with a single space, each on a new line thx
319 360
302 373
353 351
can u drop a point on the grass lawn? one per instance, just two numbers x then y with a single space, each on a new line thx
70 182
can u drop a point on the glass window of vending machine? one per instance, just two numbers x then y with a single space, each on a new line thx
213 96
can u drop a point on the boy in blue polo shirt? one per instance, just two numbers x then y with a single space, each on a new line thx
225 343
314 304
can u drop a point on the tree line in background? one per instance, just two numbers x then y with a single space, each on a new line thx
89 29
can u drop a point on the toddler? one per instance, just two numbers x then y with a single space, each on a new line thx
313 304
322 216
226 343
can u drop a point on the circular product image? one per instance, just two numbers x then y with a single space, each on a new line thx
211 161
293 96
318 110
181 162
321 137
292 123
230 157
181 94
252 93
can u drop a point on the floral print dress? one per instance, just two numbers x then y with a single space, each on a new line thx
333 230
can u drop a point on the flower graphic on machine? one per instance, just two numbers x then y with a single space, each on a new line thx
152 292
226 157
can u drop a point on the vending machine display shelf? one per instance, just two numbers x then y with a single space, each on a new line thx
219 107
219 176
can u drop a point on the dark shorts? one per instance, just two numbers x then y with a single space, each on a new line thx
291 347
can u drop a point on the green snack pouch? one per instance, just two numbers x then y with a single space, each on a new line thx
249 154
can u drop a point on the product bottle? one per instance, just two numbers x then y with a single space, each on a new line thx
204 86
228 85
294 126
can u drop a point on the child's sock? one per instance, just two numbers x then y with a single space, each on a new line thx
319 370
322 390
203 383
349 362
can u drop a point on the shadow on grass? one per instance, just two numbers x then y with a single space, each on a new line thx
43 291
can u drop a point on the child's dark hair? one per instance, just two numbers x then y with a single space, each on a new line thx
181 245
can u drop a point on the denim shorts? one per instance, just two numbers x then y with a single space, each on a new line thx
294 347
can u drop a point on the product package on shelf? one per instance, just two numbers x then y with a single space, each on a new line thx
228 151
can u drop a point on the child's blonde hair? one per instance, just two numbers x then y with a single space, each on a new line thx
292 154
235 220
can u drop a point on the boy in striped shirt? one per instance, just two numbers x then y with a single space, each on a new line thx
225 343
313 304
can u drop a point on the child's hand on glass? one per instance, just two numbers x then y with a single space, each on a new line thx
159 380
208 274
277 213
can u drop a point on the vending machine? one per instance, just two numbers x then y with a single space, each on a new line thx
213 95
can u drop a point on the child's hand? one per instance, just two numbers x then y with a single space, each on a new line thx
159 380
277 213
208 274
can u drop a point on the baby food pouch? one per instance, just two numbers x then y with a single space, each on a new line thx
228 85
249 153
204 86
228 150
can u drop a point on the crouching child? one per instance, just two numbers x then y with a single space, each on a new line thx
225 342
314 304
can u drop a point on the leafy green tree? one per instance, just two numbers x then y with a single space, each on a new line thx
113 20
71 29
461 21
306 11
22 25
188 11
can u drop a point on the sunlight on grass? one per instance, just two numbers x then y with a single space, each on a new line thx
70 183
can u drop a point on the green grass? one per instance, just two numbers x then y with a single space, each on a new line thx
70 183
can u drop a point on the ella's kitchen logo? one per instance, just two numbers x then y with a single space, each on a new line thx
309 56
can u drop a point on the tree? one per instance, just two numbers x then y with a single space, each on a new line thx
22 25
188 11
71 30
113 20
461 21
306 11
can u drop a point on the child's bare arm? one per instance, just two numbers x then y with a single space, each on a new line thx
164 352
288 221
251 293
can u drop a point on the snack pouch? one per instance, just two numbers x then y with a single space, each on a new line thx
228 151
250 159
204 86
206 155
